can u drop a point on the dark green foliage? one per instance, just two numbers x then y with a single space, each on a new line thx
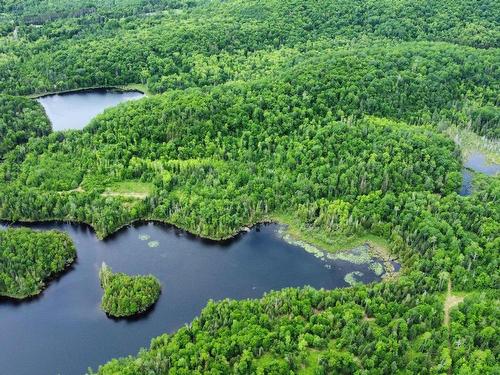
396 59
458 235
161 49
20 119
267 150
43 11
475 334
127 295
334 362
28 258
403 331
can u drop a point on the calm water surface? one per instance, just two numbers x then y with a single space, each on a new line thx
75 110
63 331
478 163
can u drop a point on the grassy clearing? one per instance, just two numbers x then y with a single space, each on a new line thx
309 365
311 362
129 189
266 360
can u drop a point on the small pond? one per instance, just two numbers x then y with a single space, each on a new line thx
476 162
74 110
63 331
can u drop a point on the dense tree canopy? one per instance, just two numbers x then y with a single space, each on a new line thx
28 258
385 329
20 119
126 295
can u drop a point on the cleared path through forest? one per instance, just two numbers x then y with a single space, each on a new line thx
450 302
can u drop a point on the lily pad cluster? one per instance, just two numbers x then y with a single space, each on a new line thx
359 255
147 237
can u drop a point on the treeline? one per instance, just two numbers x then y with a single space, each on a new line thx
415 82
158 49
307 108
41 12
28 258
126 295
380 60
381 329
20 119
475 334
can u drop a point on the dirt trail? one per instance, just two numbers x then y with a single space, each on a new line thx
135 195
450 302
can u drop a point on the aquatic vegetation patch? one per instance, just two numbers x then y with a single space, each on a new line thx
377 268
350 278
470 142
363 254
317 252
144 237
358 255
153 244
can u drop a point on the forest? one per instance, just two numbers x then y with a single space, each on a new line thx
126 295
20 120
333 113
384 329
29 258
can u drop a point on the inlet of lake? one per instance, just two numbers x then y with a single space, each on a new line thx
476 162
64 331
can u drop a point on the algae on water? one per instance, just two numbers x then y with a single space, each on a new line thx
153 243
350 278
362 254
358 255
377 268
144 237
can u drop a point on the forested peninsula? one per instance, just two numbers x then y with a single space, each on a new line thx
29 258
328 115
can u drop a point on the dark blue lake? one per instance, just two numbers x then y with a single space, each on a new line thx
63 331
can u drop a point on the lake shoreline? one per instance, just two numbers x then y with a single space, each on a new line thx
100 236
18 298
119 88
192 273
377 249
